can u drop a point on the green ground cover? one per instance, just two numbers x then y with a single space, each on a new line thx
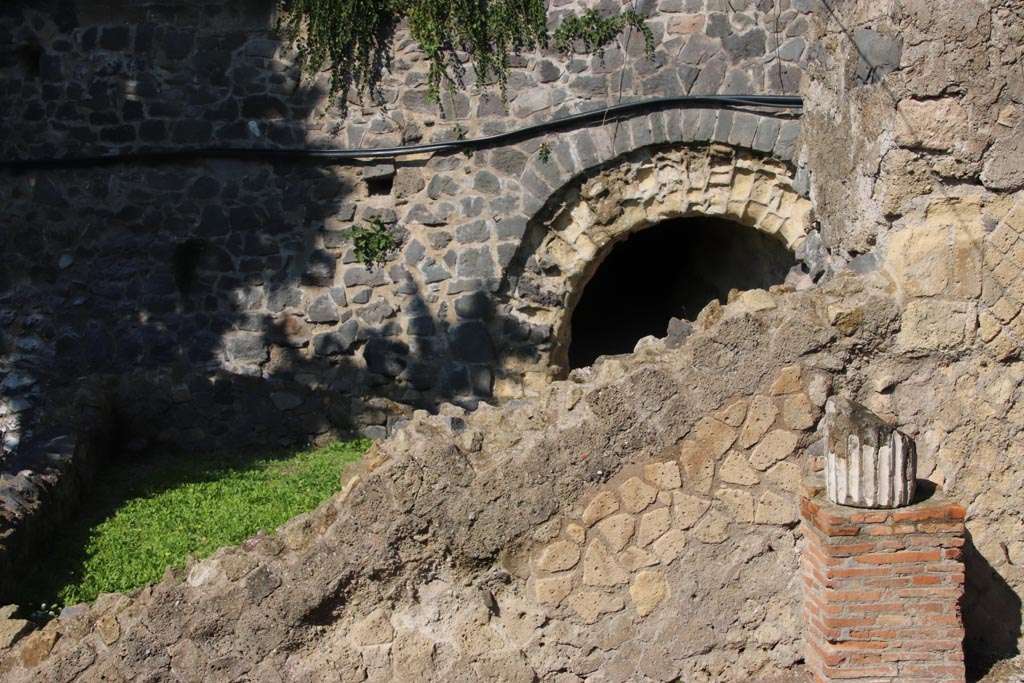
141 517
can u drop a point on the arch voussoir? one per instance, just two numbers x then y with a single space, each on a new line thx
586 213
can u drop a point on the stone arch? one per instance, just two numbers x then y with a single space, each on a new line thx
569 238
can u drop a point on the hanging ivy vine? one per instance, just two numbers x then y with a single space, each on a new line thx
596 32
352 38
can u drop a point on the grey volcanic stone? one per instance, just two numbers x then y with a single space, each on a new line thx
474 306
414 252
334 343
283 400
442 185
471 342
385 356
361 276
375 313
476 263
434 271
745 45
422 326
486 182
378 171
877 54
678 331
439 239
322 310
247 348
717 25
469 233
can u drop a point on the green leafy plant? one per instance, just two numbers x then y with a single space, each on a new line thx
544 152
595 32
460 134
352 38
373 243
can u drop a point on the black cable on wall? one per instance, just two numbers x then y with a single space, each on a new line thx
770 102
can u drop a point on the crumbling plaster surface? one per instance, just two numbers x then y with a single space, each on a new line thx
448 555
428 563
632 523
916 170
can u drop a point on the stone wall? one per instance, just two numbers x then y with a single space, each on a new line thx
183 268
636 522
443 559
912 116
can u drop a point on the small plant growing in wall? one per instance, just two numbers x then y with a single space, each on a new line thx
544 152
596 32
460 134
372 242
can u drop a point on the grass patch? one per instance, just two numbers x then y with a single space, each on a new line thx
141 517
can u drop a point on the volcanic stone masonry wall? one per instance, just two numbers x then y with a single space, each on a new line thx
186 279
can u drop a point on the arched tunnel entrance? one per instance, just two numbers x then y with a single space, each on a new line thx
672 269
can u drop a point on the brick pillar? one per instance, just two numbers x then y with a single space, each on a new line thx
882 590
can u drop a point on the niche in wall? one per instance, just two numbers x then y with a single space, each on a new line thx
672 269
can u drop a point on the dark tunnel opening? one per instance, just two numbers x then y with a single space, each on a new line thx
672 269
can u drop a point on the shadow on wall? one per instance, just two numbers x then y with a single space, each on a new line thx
220 301
991 613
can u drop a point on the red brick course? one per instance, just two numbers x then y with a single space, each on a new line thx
882 591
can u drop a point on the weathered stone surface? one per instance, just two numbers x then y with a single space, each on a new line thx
669 546
37 646
552 590
798 412
778 444
688 509
617 531
591 605
713 528
108 629
664 475
733 414
736 470
760 417
698 465
653 525
739 503
649 589
602 505
716 435
868 463
775 509
559 556
600 568
412 655
633 558
788 381
938 125
937 325
374 629
636 495
12 630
